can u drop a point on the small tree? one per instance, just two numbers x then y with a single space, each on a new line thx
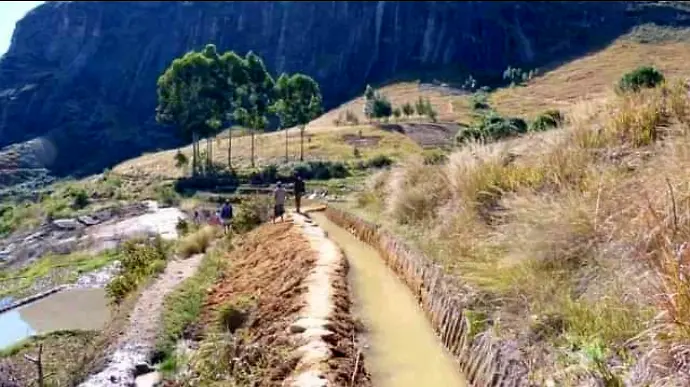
430 112
299 101
641 77
420 107
185 98
369 98
407 109
382 107
397 113
181 161
257 100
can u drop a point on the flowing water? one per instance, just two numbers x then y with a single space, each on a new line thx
68 309
403 349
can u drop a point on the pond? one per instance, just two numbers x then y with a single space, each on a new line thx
78 309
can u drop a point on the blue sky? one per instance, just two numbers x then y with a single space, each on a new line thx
10 13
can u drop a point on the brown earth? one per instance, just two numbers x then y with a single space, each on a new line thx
427 135
269 267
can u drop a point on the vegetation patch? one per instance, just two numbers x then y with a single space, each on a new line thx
140 259
52 270
61 357
548 230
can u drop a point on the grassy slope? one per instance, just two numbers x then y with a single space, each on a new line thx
590 77
270 149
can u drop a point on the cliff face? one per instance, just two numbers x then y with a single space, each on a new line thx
82 75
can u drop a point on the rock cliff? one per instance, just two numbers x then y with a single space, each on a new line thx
81 76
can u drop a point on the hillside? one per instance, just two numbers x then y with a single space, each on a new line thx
570 245
81 75
589 78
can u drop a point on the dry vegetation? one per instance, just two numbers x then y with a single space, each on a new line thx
575 240
589 77
331 144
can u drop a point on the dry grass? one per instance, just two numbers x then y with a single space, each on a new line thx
564 231
197 242
270 149
588 78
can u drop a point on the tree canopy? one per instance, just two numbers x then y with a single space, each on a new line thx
202 92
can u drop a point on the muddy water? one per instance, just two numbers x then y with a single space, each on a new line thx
403 349
68 309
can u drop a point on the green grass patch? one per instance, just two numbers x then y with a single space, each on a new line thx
141 259
57 269
182 307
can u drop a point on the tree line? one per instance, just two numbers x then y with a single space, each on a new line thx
203 92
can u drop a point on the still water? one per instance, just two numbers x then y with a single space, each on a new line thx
68 309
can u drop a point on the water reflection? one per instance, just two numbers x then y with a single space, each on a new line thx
84 309
13 329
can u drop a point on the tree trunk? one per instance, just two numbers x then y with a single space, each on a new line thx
252 148
286 145
195 154
301 143
209 154
230 149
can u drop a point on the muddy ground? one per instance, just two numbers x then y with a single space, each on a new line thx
267 272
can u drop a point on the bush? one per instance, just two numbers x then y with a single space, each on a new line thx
380 161
548 120
80 199
166 195
196 242
493 127
641 77
251 213
140 260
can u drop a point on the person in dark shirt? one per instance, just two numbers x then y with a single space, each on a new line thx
226 216
298 191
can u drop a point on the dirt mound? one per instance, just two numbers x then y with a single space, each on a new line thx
267 278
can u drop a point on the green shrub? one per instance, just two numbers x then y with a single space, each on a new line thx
548 120
493 127
251 213
166 195
641 77
380 161
80 199
140 259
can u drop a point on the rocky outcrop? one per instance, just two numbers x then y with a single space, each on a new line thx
80 77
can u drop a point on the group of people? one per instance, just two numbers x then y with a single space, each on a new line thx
225 214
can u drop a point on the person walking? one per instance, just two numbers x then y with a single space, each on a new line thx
298 191
279 202
226 216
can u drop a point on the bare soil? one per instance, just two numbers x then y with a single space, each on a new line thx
427 135
269 267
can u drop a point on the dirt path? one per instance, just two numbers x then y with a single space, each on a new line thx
136 345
